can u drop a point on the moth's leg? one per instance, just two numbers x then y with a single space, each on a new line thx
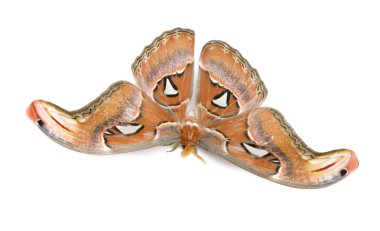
198 156
192 150
175 146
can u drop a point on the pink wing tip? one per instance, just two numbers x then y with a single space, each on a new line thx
353 163
31 111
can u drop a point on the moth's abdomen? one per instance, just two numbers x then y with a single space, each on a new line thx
190 135
190 132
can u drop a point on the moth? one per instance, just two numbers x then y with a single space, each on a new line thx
227 119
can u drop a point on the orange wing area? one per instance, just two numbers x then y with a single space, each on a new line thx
121 119
263 143
164 70
228 85
127 118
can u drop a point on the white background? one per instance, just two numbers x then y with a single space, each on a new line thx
319 61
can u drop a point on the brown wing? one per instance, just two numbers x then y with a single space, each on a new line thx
257 139
263 143
164 70
122 119
228 85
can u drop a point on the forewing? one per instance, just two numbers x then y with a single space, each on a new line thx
228 85
122 119
164 70
262 142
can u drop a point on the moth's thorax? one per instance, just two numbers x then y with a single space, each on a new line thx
190 132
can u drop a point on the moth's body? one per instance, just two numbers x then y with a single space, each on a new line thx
190 131
228 119
190 135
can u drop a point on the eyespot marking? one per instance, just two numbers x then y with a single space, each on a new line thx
129 129
40 123
343 172
253 150
275 160
222 99
107 132
170 89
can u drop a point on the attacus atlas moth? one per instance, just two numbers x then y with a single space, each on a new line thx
228 119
